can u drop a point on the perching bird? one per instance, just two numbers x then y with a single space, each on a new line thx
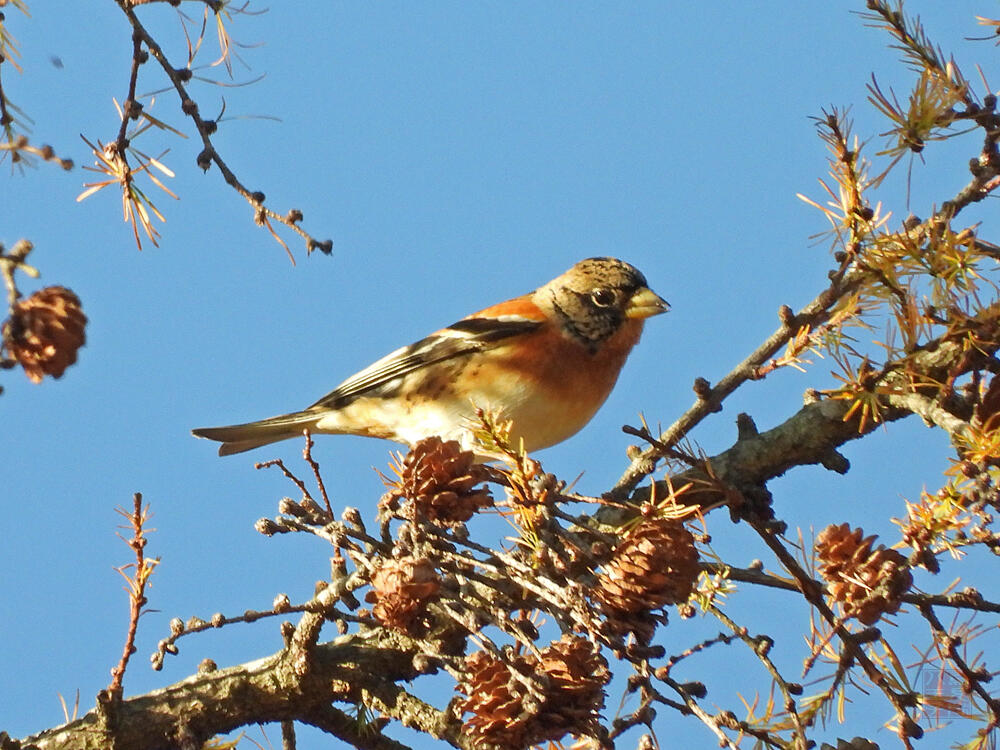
546 361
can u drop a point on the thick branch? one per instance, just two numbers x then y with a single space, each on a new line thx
710 398
267 690
813 435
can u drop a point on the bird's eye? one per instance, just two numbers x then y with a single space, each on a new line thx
603 297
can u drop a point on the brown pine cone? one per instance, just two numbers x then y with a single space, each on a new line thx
439 479
503 712
577 675
654 566
45 331
400 592
866 582
494 699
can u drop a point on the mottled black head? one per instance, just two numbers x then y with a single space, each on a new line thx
596 296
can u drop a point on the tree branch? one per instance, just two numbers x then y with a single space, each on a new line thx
266 690
813 435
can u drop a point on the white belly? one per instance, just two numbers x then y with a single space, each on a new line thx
539 421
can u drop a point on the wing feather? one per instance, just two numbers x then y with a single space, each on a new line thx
461 339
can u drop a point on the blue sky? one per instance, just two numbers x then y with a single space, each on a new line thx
457 154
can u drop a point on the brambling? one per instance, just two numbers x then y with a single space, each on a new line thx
546 361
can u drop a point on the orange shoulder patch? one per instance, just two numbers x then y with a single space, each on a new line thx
519 307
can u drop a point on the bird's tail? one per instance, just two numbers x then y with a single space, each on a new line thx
236 438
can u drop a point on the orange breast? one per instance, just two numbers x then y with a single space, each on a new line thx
551 392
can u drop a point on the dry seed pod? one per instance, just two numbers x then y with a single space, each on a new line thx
45 331
440 481
654 566
494 700
505 714
577 675
400 592
866 582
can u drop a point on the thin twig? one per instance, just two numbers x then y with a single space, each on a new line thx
760 649
307 455
813 594
210 155
136 588
974 678
288 735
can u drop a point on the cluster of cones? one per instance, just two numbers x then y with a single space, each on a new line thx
527 697
506 712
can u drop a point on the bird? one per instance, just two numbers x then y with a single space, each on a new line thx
545 361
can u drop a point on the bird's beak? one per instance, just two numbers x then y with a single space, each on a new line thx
645 303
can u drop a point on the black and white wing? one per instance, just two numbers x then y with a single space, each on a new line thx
461 339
